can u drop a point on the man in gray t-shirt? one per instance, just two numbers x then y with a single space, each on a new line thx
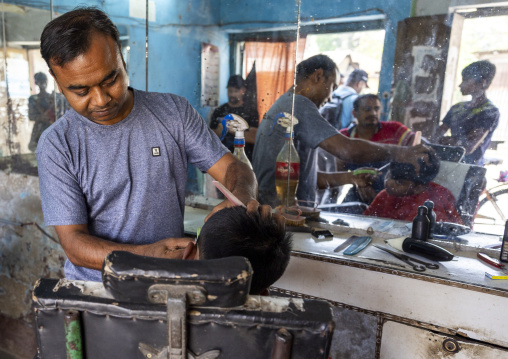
112 170
316 78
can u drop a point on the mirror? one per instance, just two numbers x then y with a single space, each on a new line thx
193 53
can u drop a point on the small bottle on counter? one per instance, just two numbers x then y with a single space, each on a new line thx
431 214
421 225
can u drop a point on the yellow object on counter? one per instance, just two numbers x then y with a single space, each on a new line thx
494 276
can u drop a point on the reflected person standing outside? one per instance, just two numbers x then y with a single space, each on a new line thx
472 123
41 109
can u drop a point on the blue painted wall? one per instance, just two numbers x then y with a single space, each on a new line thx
174 55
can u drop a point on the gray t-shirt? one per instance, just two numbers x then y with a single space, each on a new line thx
127 180
311 130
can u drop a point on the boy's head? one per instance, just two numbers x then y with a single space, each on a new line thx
403 180
263 241
477 77
480 70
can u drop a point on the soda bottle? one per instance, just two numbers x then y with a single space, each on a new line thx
287 172
240 148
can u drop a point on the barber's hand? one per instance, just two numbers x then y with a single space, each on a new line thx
364 179
266 212
367 194
412 154
363 183
252 205
171 248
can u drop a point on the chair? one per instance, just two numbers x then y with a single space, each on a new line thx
466 183
161 308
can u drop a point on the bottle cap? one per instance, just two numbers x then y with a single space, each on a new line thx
429 204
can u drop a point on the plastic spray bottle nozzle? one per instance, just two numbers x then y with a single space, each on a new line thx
239 134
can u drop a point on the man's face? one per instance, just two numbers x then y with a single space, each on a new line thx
95 83
42 85
369 112
361 86
469 86
329 84
235 95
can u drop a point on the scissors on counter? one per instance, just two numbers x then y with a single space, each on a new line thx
418 265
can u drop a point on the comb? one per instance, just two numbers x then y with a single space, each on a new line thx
418 138
232 198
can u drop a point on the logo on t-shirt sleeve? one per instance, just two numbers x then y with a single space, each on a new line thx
156 151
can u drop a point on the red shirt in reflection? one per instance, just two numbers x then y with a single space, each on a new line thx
405 208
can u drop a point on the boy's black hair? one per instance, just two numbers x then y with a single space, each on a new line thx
265 243
359 99
428 169
40 77
68 36
308 66
480 70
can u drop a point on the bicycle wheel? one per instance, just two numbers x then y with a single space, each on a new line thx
494 210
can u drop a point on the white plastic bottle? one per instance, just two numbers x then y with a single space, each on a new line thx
239 125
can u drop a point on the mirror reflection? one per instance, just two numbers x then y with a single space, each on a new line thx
232 60
425 67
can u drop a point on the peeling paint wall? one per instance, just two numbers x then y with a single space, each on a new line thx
26 254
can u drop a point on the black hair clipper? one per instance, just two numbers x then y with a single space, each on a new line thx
427 250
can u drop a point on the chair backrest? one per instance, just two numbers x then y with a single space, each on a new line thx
176 318
466 183
448 153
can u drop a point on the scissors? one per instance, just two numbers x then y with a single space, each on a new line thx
417 264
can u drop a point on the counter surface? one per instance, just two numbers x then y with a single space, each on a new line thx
464 268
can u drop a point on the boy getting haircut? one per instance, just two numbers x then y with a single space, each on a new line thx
263 241
405 190
428 170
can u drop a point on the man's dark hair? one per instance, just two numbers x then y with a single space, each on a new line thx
69 35
428 169
309 66
480 70
236 81
359 99
265 243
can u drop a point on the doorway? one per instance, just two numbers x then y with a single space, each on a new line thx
351 50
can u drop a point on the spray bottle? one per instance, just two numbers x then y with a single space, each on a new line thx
287 167
239 125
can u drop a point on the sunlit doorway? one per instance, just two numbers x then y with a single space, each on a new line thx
481 33
351 50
